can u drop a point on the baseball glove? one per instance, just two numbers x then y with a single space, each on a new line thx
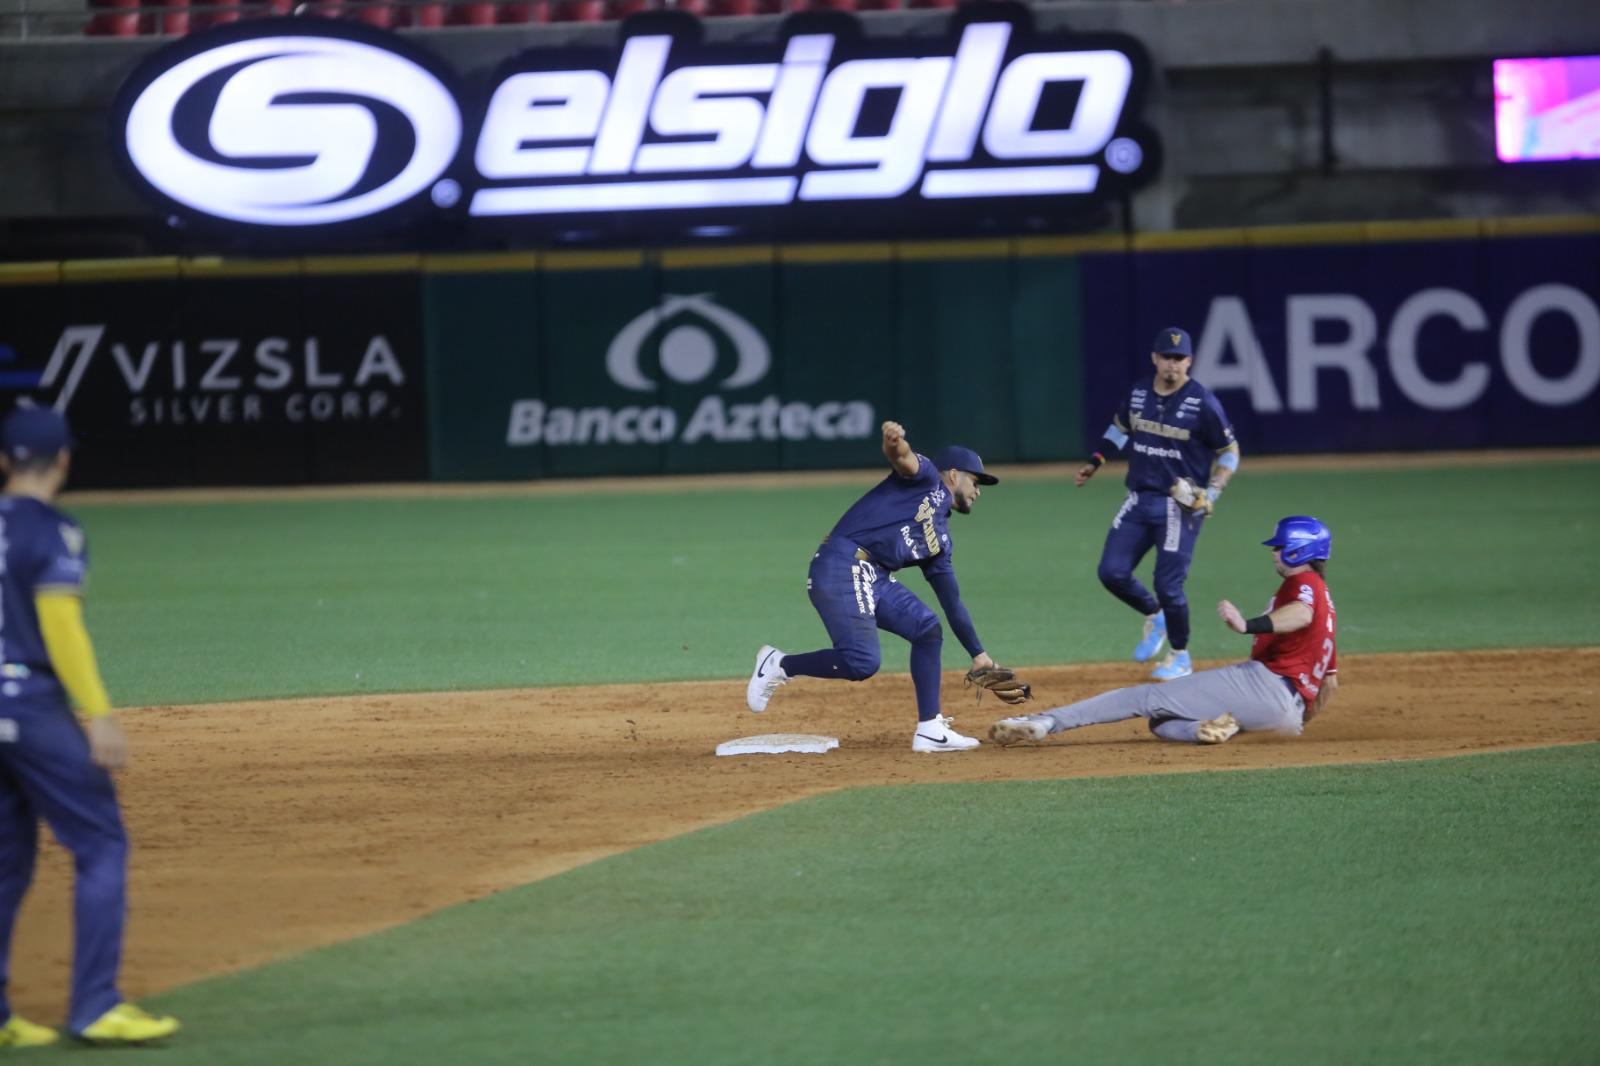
1192 496
1003 682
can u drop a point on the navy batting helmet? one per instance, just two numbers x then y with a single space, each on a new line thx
1301 539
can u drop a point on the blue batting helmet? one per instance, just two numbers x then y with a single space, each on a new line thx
1301 539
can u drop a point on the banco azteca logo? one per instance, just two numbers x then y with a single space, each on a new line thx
685 349
693 342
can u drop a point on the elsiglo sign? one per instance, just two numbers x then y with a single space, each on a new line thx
301 123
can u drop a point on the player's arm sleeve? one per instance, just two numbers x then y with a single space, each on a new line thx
1115 437
66 640
948 590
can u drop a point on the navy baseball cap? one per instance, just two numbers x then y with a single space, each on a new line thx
1172 341
29 432
955 457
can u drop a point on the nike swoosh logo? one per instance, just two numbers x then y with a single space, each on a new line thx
763 667
936 740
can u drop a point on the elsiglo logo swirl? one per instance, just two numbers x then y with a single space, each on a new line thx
292 130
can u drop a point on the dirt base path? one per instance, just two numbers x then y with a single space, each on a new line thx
262 829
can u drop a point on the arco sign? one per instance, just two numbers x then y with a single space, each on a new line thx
300 125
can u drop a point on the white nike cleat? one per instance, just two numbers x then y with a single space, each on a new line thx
936 735
1009 731
1216 730
766 678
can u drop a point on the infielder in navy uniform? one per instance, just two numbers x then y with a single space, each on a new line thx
903 521
51 768
1181 456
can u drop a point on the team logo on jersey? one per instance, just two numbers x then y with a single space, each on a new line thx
687 352
72 538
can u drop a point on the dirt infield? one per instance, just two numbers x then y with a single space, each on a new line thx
261 829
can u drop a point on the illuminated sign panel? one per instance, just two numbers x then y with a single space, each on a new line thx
1547 109
305 124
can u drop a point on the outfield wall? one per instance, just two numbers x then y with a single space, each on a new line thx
514 365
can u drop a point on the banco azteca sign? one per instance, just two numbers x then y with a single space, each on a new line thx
305 124
677 342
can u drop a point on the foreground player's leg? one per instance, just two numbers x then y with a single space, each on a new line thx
842 589
19 843
1174 554
1204 708
900 612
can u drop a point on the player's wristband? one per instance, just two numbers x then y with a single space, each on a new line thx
1098 460
1261 623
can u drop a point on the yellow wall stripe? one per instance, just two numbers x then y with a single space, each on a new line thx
29 273
1541 226
836 253
987 249
119 269
92 270
238 268
479 262
361 264
1041 246
1435 230
682 258
593 260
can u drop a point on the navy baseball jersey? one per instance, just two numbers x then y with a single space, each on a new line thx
1171 436
902 521
40 549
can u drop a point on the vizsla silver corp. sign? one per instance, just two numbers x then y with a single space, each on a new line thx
301 124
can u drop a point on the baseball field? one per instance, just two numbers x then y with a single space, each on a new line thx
425 775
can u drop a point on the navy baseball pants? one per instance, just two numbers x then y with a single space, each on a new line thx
856 599
46 773
1152 520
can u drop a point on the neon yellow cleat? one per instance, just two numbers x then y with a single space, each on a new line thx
127 1024
19 1032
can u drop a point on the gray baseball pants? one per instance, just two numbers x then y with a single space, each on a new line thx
1257 698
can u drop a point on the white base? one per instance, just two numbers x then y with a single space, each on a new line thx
778 744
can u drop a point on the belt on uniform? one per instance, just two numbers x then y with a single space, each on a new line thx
1294 690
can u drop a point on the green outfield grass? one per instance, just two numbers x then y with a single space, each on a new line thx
233 600
1406 913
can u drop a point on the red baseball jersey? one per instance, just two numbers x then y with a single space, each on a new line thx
1307 655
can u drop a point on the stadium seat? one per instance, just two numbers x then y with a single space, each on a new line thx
425 16
268 7
732 7
931 3
164 18
224 12
520 12
476 13
578 11
113 18
621 9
